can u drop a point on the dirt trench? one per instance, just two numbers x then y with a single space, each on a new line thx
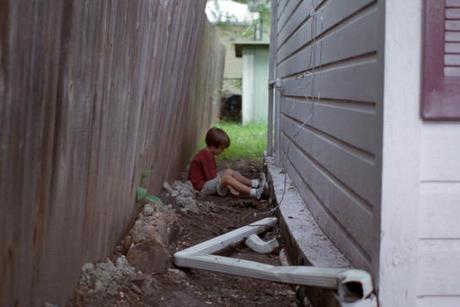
141 273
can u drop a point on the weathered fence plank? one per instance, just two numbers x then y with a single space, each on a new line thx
92 93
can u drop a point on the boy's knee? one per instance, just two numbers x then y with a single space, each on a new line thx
225 179
228 172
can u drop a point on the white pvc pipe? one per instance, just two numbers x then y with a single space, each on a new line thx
199 257
260 246
230 238
297 275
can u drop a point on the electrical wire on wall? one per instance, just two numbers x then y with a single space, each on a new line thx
313 71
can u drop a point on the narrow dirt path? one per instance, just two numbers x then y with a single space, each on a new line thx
197 218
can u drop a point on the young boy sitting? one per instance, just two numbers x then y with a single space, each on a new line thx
205 178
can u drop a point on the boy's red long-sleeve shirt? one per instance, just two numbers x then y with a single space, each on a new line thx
202 169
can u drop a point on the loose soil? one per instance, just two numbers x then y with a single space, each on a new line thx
212 216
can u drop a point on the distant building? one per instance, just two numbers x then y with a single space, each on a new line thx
234 22
255 79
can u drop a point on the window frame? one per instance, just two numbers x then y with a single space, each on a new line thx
440 94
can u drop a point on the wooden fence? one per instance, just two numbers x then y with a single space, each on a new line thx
92 93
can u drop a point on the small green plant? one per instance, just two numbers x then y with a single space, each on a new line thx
141 191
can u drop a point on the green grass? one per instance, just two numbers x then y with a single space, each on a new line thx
246 141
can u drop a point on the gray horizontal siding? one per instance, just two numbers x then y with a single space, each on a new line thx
286 13
329 116
343 124
335 231
337 16
360 88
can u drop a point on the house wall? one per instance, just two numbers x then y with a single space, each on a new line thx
92 93
329 116
420 245
401 154
438 266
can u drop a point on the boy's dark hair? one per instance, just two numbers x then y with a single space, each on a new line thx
217 137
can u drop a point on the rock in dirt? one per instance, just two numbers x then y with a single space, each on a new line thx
149 240
149 210
184 194
170 190
149 257
149 286
187 204
177 276
184 189
106 276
